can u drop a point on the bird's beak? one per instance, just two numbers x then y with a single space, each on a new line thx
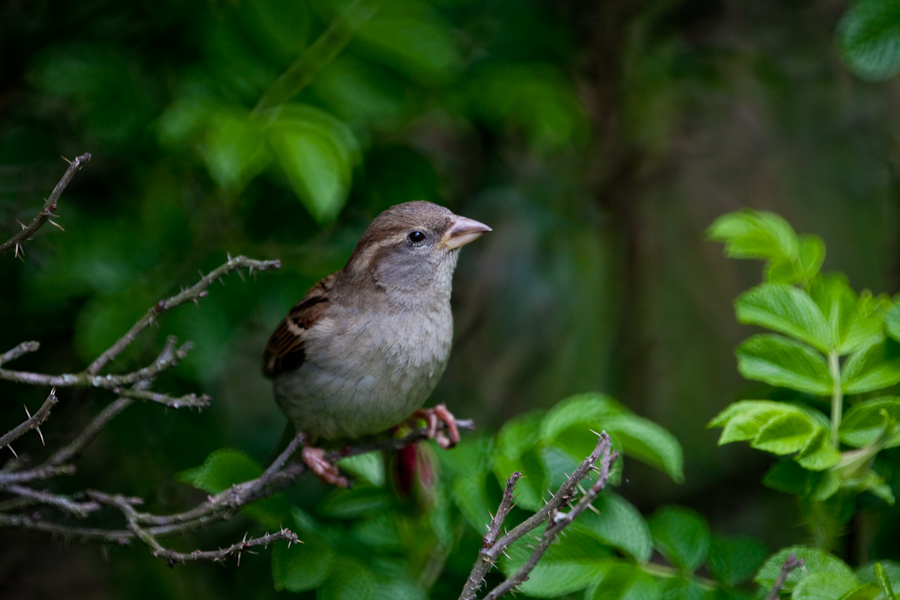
462 231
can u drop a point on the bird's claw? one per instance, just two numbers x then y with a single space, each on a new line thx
445 439
324 470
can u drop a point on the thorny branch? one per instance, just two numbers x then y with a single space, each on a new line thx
557 521
790 563
47 211
27 507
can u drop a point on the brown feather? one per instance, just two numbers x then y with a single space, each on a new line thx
285 349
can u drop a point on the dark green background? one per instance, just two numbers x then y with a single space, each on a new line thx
598 139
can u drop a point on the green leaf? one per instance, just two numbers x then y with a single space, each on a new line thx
301 567
568 426
892 321
624 581
582 409
870 368
234 148
410 37
397 587
777 427
681 588
468 467
350 580
356 502
734 560
577 561
801 269
789 477
786 309
755 234
516 450
617 523
681 535
814 561
648 442
869 36
317 153
867 421
825 586
366 466
819 454
782 362
884 573
855 321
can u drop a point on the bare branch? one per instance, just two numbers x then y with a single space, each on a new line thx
23 348
492 548
33 422
48 209
790 563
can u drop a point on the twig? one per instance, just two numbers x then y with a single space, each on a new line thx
79 509
23 348
278 476
33 422
48 209
558 521
186 401
89 377
195 292
790 563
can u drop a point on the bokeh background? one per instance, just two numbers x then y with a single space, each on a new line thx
598 139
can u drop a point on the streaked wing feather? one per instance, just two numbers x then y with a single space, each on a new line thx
285 350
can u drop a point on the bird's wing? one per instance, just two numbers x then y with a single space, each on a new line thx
285 350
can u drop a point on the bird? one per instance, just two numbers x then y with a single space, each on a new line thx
365 347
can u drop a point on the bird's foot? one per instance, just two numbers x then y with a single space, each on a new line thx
432 416
324 470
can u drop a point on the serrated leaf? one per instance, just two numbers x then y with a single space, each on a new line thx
786 309
854 321
782 362
789 477
755 234
820 453
577 561
617 523
802 269
825 586
870 368
734 560
681 535
814 561
350 580
624 581
787 433
301 567
867 421
892 321
869 36
681 588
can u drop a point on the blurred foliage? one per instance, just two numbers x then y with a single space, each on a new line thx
598 139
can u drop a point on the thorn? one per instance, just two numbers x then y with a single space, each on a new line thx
55 224
66 159
581 488
228 254
241 275
13 451
20 223
593 508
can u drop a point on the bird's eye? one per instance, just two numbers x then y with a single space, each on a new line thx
416 237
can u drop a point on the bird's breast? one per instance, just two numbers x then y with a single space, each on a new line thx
366 373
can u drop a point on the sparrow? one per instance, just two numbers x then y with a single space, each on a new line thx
366 346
